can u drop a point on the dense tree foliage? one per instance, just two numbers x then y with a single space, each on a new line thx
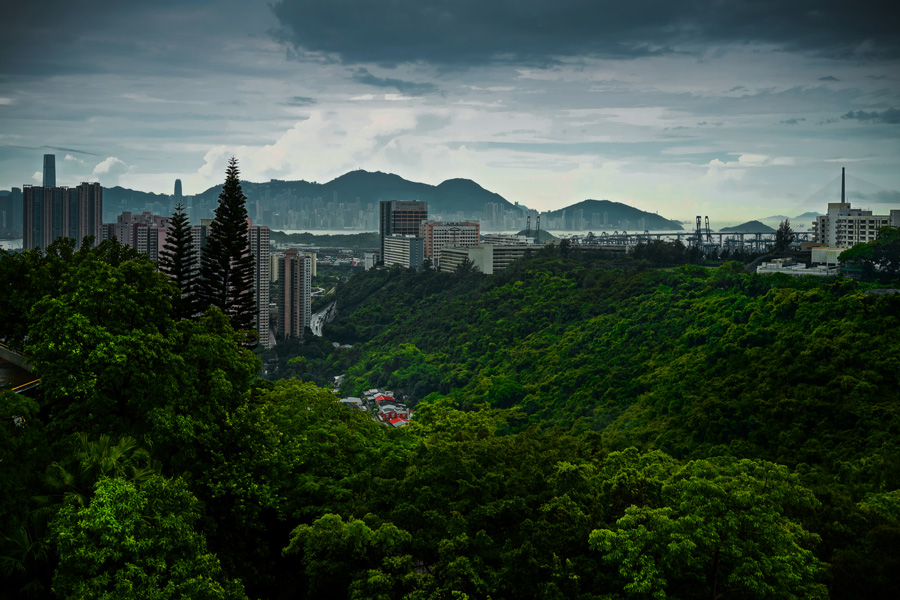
721 529
136 542
584 430
878 258
691 360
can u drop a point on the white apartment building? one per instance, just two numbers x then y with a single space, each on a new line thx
844 226
404 250
443 234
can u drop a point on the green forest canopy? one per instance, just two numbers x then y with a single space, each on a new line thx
639 433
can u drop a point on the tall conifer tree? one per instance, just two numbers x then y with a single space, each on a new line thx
178 261
226 265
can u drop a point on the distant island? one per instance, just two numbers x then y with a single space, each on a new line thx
540 236
748 227
607 215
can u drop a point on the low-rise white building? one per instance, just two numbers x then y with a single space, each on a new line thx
789 267
488 259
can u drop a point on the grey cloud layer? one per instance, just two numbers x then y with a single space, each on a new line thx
460 32
362 75
891 116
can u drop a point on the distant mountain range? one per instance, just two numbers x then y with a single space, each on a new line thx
452 195
279 204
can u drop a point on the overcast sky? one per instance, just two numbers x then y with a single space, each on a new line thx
735 110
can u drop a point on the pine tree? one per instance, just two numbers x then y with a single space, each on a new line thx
178 261
784 236
226 265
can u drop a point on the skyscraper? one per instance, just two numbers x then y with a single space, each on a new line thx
178 195
294 274
400 217
49 170
259 248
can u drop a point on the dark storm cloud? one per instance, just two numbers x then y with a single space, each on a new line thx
461 32
891 115
405 87
50 37
829 78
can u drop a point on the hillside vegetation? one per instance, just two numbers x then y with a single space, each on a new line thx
691 360
586 430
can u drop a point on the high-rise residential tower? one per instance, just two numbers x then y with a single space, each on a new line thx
52 212
400 217
259 248
295 276
16 200
145 232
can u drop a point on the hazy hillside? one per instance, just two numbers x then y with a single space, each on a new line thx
118 195
748 227
802 222
449 197
614 214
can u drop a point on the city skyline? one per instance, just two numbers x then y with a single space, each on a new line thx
738 111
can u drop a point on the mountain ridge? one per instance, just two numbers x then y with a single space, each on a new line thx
451 199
